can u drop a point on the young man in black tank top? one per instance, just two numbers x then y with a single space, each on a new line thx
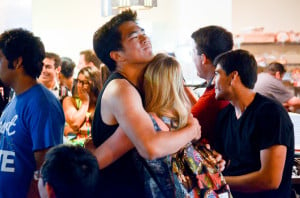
124 47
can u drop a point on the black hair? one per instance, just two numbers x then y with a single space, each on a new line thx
108 37
19 42
212 41
72 171
241 61
274 67
67 67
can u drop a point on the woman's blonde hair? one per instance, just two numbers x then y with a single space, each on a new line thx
164 89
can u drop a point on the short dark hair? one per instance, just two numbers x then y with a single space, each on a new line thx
108 37
90 56
71 170
19 42
67 67
212 41
241 61
55 57
275 67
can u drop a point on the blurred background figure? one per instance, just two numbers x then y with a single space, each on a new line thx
49 76
68 171
65 75
79 109
105 72
87 58
269 83
4 96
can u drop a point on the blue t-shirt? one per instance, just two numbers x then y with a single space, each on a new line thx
32 121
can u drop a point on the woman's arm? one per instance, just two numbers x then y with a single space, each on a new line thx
74 117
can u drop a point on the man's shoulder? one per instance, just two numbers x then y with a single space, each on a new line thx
120 87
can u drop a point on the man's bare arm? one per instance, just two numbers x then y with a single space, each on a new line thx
125 104
268 177
39 159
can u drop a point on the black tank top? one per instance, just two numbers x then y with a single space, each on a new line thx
120 179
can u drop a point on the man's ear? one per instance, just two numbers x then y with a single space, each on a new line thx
49 190
58 69
234 77
18 62
116 56
203 59
277 75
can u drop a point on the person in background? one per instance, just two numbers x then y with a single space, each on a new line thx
105 73
65 75
124 47
79 110
87 58
269 84
255 133
49 76
209 42
33 121
68 171
4 96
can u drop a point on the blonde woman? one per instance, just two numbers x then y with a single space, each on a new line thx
164 91
169 108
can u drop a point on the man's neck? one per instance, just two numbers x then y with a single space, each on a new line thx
49 85
23 84
242 99
133 73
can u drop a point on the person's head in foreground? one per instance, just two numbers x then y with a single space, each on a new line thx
68 171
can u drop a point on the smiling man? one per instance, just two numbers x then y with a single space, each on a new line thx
49 76
255 133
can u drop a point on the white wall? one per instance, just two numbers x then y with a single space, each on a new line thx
15 13
67 26
273 15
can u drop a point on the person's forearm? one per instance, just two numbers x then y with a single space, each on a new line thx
252 182
78 117
166 143
113 148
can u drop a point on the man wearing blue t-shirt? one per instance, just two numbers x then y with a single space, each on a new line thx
32 122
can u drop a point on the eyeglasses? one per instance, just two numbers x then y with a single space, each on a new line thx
83 82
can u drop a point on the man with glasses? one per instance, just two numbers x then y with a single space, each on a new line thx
209 42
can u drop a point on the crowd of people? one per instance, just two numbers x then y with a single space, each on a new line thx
130 110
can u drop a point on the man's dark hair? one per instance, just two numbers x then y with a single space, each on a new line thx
72 171
108 37
90 56
55 57
275 67
67 67
19 42
212 41
241 61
